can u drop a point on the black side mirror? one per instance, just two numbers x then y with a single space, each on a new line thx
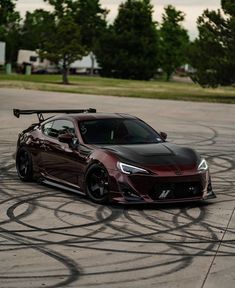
66 138
163 135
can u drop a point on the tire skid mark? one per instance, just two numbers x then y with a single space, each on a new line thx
149 241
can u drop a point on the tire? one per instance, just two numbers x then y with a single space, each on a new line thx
24 165
97 184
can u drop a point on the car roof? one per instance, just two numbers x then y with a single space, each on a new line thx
93 116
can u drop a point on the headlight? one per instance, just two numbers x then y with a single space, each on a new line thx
203 166
129 169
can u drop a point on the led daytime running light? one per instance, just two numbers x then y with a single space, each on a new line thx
203 166
130 169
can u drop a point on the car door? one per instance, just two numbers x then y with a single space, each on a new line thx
60 161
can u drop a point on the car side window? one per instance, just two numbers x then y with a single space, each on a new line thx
46 128
62 127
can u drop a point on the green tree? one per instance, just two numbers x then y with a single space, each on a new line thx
228 6
7 8
88 14
106 52
37 27
76 28
212 53
174 41
63 46
91 18
9 28
129 48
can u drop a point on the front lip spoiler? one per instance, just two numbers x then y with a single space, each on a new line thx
122 200
210 195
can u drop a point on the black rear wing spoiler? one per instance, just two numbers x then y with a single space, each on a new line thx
18 112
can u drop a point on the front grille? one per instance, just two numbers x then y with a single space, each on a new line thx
180 190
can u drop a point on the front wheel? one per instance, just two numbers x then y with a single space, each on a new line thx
24 165
97 184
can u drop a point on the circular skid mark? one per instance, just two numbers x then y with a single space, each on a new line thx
50 238
207 135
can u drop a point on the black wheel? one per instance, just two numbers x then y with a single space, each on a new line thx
24 164
97 184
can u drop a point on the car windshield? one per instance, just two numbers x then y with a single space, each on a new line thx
117 131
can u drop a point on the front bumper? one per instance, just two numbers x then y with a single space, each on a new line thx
155 189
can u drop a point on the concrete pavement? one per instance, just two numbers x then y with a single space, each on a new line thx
50 238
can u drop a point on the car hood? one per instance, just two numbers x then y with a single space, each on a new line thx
157 154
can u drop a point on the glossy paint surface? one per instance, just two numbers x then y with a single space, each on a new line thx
171 171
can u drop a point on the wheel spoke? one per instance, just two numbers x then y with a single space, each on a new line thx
95 187
101 191
23 164
98 184
25 170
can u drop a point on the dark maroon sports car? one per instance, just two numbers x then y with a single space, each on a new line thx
109 157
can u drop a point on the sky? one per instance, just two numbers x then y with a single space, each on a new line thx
192 9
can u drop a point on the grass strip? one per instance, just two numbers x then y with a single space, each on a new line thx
122 88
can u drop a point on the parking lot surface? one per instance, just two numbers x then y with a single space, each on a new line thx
53 238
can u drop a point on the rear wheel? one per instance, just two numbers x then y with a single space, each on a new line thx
97 184
24 165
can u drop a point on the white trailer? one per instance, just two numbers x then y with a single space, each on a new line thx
32 58
87 65
2 53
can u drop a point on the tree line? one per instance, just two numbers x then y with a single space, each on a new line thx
134 46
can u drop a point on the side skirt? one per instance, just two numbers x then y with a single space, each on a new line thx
61 186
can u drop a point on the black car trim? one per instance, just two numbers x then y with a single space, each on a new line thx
18 112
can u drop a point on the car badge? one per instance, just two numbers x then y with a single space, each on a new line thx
164 193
